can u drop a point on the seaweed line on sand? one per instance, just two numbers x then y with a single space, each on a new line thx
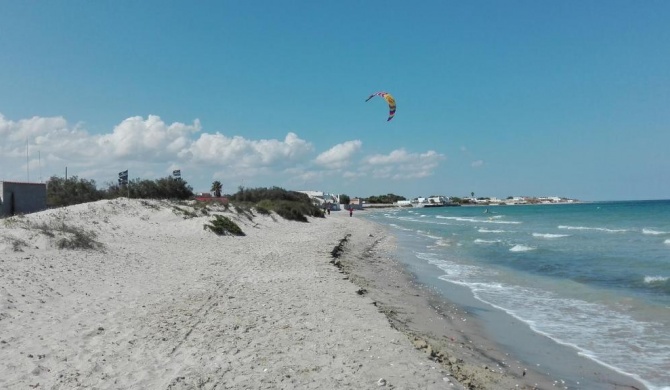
485 372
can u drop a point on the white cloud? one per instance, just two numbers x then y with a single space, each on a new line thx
217 149
477 163
137 138
399 164
29 128
151 148
339 156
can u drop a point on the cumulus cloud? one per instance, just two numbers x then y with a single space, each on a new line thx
137 137
148 145
238 151
151 148
339 156
29 128
400 164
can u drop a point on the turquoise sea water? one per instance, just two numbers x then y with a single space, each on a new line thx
594 276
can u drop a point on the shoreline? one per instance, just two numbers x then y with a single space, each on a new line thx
445 332
479 345
158 302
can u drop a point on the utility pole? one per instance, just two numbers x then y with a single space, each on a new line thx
27 162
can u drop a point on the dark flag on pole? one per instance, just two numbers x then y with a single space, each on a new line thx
176 173
123 177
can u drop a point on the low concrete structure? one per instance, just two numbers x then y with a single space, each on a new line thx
22 198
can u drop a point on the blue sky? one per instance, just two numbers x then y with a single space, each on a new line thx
545 98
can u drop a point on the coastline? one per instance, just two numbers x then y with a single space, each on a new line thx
506 347
166 304
445 332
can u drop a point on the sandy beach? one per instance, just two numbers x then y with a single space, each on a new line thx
159 302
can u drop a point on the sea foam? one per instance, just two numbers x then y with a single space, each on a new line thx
592 228
399 227
653 232
490 231
549 235
479 220
655 279
521 248
570 321
480 241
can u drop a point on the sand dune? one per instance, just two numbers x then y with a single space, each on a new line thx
158 302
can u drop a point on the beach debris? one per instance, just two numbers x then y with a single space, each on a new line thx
381 382
339 248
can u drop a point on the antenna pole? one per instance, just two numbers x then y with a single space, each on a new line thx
27 162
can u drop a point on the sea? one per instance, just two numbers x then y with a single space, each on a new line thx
592 277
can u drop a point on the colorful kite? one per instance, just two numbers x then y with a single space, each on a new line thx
389 99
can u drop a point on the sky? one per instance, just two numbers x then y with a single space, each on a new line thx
515 98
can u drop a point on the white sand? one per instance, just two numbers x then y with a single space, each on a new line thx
169 305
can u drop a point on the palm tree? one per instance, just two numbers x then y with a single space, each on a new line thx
216 188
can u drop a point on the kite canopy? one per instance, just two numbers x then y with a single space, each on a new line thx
389 99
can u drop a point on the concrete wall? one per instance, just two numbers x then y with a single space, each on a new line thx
22 198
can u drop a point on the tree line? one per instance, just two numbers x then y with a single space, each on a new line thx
291 205
74 190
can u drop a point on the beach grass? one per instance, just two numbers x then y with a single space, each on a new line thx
222 225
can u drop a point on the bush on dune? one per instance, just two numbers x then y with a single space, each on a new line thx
71 237
222 226
291 205
79 239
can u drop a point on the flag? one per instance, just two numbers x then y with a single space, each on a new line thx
123 177
176 173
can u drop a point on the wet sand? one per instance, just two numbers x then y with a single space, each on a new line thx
482 346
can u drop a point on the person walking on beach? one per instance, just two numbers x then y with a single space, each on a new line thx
351 211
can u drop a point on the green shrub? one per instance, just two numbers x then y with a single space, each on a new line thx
75 237
221 226
186 214
150 205
79 239
265 203
18 245
262 210
246 211
291 210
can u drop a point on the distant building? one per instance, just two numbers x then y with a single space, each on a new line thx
324 199
22 198
356 203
